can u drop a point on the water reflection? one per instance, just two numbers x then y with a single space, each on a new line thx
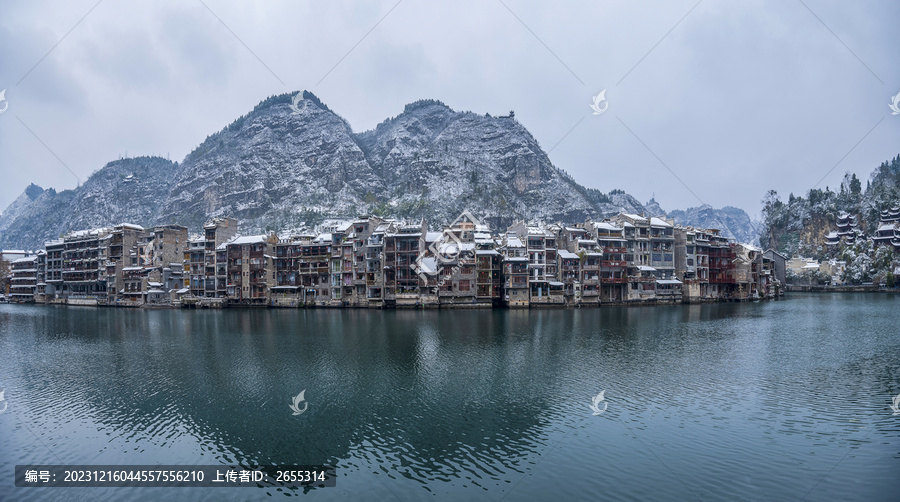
707 397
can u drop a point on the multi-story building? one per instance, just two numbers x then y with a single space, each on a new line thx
165 245
302 269
456 263
779 268
847 231
613 263
747 271
353 262
288 289
515 271
341 261
641 275
692 263
195 266
888 234
890 215
216 233
53 271
250 269
541 251
123 264
721 266
40 287
84 272
569 269
402 246
662 247
384 263
590 256
23 279
373 268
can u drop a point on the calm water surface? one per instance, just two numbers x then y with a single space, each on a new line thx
761 401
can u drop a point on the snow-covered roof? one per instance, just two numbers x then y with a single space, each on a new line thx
668 281
751 247
555 283
25 259
454 247
487 252
566 255
609 227
657 222
634 217
645 268
324 238
86 233
155 284
249 239
514 242
886 226
433 236
131 226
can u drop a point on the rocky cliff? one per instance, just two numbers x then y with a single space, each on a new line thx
292 162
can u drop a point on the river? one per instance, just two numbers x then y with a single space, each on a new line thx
780 400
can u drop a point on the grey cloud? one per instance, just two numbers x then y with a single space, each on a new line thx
739 98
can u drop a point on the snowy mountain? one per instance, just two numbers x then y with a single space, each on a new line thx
731 221
123 190
292 162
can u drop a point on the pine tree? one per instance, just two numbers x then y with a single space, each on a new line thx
855 185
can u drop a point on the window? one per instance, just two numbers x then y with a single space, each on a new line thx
464 285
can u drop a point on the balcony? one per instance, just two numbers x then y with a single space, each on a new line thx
613 263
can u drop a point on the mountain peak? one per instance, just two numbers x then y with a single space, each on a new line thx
291 163
33 191
422 104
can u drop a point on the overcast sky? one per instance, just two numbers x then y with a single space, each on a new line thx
734 97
